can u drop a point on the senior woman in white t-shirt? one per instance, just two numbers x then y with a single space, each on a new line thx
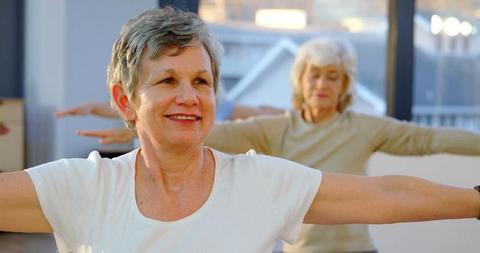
173 194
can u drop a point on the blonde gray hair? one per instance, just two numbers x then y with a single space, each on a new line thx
153 33
321 52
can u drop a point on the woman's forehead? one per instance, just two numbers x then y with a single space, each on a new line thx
329 67
185 61
194 52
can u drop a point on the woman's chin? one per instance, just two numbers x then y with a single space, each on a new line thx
322 105
185 140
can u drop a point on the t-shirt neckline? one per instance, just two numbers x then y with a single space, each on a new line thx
303 122
133 199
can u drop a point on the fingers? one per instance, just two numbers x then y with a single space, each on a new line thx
74 111
109 140
94 133
102 135
69 112
108 136
60 114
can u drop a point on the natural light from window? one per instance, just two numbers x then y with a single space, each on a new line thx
281 18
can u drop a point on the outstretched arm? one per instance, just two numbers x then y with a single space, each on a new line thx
242 135
110 136
405 138
344 199
243 111
19 207
97 109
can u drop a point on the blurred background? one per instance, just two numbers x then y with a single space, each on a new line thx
418 60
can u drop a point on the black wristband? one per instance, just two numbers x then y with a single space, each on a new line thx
478 189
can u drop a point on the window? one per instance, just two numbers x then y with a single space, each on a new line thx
260 46
447 50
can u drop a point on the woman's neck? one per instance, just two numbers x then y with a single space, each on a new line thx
171 167
318 115
170 185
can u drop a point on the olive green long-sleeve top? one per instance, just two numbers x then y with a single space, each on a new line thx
341 145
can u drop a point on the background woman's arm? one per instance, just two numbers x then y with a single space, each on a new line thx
96 109
404 138
259 133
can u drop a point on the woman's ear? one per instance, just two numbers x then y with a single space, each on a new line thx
122 102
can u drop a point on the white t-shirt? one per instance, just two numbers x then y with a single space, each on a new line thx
255 200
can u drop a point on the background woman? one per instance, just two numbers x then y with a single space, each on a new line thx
321 132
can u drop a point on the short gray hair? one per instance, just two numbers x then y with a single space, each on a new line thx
153 33
321 52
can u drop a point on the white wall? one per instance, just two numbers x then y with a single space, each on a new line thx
272 87
67 49
436 236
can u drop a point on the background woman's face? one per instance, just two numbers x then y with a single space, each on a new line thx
322 86
175 99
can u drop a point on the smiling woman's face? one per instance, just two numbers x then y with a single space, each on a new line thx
322 86
175 99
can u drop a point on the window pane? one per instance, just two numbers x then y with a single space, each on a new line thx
447 84
260 39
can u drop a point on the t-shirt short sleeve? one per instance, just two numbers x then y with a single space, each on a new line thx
292 188
65 189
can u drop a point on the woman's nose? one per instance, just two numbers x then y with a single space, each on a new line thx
187 95
320 83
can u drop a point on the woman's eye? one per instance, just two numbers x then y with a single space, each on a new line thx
200 81
167 81
333 77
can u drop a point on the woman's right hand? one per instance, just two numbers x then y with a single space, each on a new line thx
110 136
97 109
81 110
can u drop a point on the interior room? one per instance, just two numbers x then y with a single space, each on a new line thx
416 61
